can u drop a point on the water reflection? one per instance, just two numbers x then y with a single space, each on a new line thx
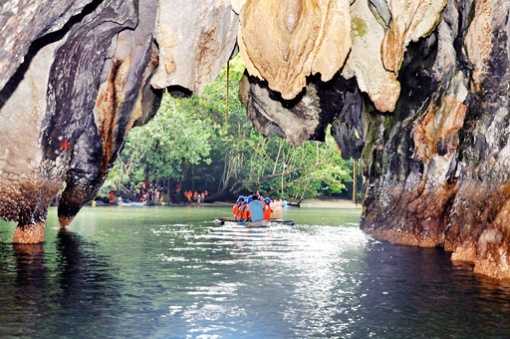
29 290
50 291
30 267
417 291
321 259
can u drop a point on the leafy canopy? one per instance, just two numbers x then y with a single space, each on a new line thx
207 142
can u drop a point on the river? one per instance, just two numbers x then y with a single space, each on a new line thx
171 273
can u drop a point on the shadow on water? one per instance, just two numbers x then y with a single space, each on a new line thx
417 292
62 295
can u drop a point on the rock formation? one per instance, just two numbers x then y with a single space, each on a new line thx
283 42
196 38
417 89
81 75
433 123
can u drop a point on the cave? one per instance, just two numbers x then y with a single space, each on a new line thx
417 90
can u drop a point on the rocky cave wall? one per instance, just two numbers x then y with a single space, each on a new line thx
417 89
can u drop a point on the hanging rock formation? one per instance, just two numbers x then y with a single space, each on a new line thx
196 38
283 42
410 21
417 89
365 62
434 122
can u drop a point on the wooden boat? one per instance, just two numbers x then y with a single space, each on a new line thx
254 224
132 204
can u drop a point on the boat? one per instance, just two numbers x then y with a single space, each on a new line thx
132 204
254 224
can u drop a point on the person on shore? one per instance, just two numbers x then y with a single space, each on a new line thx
112 198
189 196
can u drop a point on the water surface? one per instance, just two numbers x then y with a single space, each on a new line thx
171 273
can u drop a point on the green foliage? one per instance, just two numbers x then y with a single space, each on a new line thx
175 138
207 142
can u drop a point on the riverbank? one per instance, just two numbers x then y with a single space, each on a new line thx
308 203
329 203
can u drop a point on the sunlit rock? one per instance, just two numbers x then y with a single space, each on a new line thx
437 132
365 61
380 9
25 188
410 21
196 38
283 42
479 39
237 5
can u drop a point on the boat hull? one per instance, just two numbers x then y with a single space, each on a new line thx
254 224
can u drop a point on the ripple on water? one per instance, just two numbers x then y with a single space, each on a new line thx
198 280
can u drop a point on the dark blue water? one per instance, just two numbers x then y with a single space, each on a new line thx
170 273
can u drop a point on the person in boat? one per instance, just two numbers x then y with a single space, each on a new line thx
241 212
244 210
277 209
256 209
267 209
236 209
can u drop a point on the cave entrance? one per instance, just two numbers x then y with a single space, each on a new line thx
205 144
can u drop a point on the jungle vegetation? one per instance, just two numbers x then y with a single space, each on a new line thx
206 142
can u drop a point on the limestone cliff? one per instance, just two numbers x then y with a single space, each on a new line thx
417 89
76 76
434 123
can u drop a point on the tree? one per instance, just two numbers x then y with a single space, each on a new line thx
207 142
162 149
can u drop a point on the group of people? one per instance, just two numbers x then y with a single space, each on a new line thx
148 194
252 208
198 197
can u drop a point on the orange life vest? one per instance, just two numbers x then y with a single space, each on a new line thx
235 211
267 212
246 214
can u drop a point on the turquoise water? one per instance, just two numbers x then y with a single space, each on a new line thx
172 273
